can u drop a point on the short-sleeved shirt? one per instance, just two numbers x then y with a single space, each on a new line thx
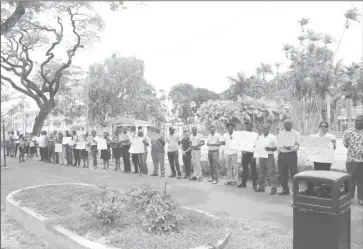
268 141
216 138
186 144
196 139
228 139
173 142
157 144
94 140
291 137
353 139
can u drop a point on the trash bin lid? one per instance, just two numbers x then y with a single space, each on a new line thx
322 175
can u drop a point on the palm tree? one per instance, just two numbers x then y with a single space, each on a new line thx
264 69
240 86
352 15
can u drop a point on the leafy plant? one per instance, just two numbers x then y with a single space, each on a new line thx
159 213
106 206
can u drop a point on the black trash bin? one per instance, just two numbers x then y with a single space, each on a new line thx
321 214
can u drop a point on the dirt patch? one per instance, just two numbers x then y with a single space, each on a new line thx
64 205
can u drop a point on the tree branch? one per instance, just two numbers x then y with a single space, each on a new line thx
13 19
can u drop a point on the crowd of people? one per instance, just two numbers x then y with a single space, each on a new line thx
132 146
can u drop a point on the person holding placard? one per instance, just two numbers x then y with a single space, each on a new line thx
197 142
288 145
33 147
83 150
116 150
69 149
59 148
16 142
43 146
76 151
94 151
214 143
353 141
105 150
51 147
173 141
230 154
134 156
265 148
187 154
125 148
248 159
158 153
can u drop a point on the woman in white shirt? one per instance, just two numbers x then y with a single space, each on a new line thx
323 133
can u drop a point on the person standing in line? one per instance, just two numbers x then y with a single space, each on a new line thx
51 147
353 141
158 153
76 152
288 145
197 142
7 144
16 142
26 144
32 147
83 153
21 149
59 155
327 162
125 147
187 154
135 160
267 164
248 159
116 150
69 150
173 141
106 154
214 143
11 145
145 142
231 155
94 150
43 144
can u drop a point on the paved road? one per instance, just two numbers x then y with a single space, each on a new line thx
217 199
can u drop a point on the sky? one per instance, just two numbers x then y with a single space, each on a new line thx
202 43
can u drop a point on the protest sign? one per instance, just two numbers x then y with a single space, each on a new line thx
102 144
244 140
58 148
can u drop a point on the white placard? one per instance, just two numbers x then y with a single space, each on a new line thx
58 148
319 149
260 151
102 144
66 140
81 145
244 140
71 142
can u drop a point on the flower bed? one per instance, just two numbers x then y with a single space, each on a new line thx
68 207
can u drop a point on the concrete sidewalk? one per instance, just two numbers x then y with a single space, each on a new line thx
218 199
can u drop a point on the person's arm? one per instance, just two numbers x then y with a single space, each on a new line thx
162 140
346 140
273 145
223 141
334 141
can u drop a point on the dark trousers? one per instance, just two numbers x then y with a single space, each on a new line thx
187 161
248 159
69 155
77 157
174 162
51 152
318 166
135 162
213 158
16 149
126 158
355 169
287 162
94 152
43 153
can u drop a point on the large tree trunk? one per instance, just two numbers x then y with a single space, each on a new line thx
39 121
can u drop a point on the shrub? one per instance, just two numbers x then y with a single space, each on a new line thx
159 213
106 206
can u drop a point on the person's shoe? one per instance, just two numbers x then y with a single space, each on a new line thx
115 169
178 177
215 181
284 192
228 183
360 202
211 180
259 190
135 172
194 178
200 179
163 175
273 191
254 187
186 177
172 176
154 174
242 185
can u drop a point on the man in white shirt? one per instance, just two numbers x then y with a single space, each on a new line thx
288 145
173 141
43 146
267 164
230 155
197 142
248 159
134 155
214 142
94 150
